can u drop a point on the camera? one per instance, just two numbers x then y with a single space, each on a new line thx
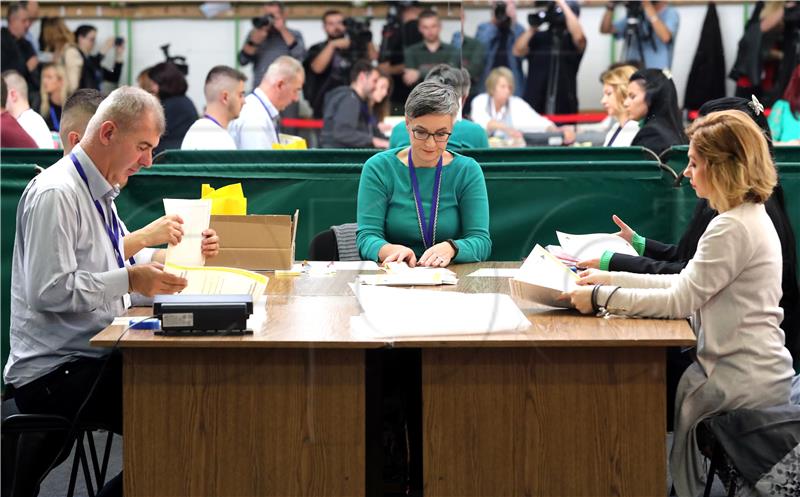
178 60
547 12
264 21
634 10
119 41
501 17
358 31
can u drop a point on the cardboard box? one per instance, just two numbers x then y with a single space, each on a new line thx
255 242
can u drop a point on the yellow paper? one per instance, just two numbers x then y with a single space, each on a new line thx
290 142
228 200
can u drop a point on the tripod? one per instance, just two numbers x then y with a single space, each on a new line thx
633 33
551 97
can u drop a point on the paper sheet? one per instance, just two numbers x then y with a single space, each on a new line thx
543 278
196 215
422 276
494 272
593 245
397 312
219 280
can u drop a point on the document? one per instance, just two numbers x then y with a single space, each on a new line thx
214 280
494 272
322 268
196 215
592 246
399 312
399 274
543 278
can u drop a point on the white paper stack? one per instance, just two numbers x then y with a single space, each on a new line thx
399 274
397 313
543 278
196 215
593 245
219 280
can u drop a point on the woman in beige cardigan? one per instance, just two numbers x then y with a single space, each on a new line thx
731 288
58 39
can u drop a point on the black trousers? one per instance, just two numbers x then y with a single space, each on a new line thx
64 390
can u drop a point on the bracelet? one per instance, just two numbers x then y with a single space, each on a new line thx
455 247
594 297
605 307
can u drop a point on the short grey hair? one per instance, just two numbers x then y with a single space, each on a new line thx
457 77
284 68
432 97
126 106
15 81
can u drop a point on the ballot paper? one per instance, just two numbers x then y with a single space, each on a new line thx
592 246
543 278
196 215
214 280
401 312
399 274
494 272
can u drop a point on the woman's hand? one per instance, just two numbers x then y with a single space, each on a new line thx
588 264
594 277
581 299
210 243
399 253
625 232
437 256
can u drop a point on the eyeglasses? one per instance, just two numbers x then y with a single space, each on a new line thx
439 136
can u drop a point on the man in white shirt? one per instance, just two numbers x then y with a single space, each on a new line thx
19 107
224 91
257 128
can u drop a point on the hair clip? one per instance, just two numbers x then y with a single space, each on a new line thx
755 105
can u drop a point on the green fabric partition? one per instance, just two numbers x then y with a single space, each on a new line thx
677 157
39 156
359 156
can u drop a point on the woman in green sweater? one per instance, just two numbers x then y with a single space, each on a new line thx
422 204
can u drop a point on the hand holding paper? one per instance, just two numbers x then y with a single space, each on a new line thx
592 246
196 216
543 278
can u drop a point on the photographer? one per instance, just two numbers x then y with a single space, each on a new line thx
649 29
328 63
557 51
93 73
498 37
400 31
269 39
422 56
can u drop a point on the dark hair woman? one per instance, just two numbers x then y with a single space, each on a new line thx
170 85
653 100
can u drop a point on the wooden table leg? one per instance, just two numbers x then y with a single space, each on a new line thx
254 422
544 421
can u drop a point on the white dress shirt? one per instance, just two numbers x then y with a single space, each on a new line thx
516 113
256 126
35 125
206 134
625 136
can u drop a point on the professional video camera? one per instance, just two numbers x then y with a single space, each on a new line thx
502 19
634 10
178 60
359 33
265 21
547 12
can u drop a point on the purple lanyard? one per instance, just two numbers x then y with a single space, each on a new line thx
271 117
428 229
213 120
115 230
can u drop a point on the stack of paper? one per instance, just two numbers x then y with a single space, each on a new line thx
196 215
592 246
543 278
219 280
399 274
396 312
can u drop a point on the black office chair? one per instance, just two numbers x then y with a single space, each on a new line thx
33 443
335 244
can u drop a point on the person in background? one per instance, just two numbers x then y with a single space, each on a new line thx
558 48
731 288
11 133
784 120
145 83
498 37
473 58
18 53
19 107
396 219
269 39
400 31
505 115
258 125
380 104
224 91
348 122
93 73
653 100
657 24
57 39
170 86
78 110
53 94
421 57
615 91
465 133
328 63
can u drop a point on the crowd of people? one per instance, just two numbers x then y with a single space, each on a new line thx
352 85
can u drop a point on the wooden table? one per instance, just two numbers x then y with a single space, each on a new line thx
573 406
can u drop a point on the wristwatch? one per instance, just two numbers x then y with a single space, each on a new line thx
455 247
